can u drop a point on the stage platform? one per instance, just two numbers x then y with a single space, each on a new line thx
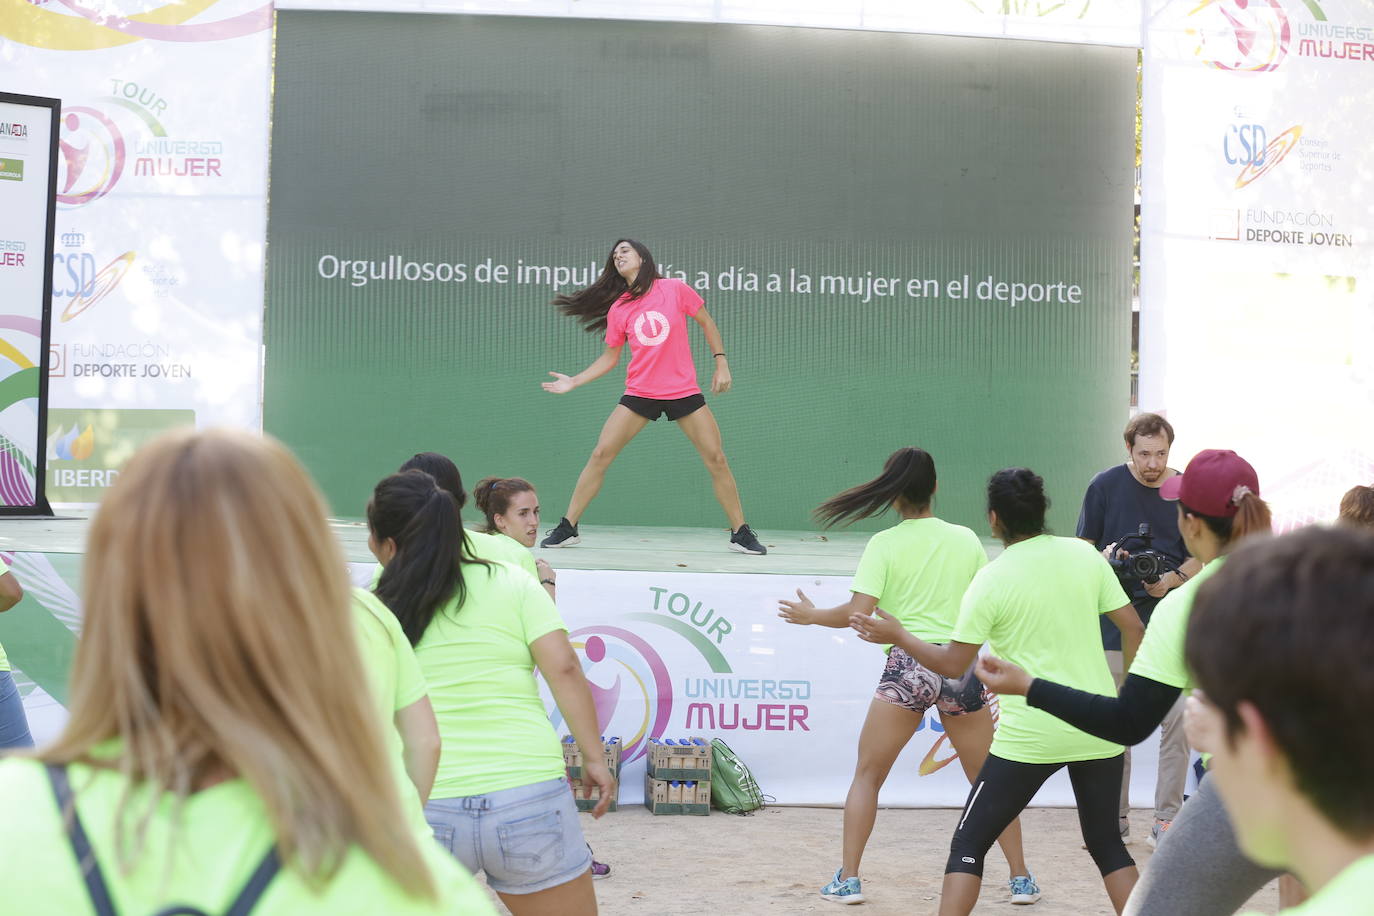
609 547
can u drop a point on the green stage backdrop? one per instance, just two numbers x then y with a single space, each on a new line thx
905 239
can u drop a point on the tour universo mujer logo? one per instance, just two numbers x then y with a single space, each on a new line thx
631 688
1246 35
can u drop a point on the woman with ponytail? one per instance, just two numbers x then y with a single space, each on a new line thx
630 303
1039 602
1198 868
511 508
500 801
220 756
918 571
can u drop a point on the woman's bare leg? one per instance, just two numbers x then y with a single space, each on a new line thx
575 898
886 731
700 427
621 426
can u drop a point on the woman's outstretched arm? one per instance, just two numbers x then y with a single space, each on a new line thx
604 363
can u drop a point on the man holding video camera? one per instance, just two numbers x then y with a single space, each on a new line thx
1137 531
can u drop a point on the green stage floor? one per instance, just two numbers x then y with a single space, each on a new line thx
603 547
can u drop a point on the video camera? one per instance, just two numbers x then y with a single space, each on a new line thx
1144 563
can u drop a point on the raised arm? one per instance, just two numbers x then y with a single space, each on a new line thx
803 612
1128 718
950 660
604 363
720 379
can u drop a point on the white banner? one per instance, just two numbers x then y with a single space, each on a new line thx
1257 296
161 221
673 655
26 137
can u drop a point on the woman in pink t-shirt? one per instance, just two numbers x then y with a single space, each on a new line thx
631 303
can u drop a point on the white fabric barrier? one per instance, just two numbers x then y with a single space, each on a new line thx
1257 308
678 654
161 219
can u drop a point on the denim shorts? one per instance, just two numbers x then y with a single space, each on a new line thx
14 727
526 839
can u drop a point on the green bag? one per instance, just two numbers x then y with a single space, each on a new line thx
733 788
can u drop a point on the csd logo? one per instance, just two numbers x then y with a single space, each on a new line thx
651 328
1244 144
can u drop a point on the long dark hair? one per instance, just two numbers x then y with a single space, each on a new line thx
909 473
431 548
589 306
444 472
493 496
1018 497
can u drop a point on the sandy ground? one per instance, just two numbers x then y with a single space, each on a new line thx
776 861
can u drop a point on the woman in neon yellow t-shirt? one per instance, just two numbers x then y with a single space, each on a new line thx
918 571
219 749
1200 869
500 801
511 508
1039 603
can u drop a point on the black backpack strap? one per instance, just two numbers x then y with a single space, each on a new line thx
257 885
81 845
95 880
248 897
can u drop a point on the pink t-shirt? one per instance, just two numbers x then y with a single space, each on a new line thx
655 325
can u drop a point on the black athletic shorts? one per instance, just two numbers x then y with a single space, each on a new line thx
653 408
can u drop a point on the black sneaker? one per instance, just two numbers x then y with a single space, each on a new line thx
745 541
564 535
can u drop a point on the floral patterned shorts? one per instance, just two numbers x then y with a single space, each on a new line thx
909 684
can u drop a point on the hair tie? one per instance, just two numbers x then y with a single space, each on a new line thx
1240 492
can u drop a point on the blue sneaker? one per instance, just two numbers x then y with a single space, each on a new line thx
846 891
1024 890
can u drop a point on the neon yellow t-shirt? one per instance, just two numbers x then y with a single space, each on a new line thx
504 548
1347 894
918 570
490 547
476 659
221 837
1037 606
1160 657
387 656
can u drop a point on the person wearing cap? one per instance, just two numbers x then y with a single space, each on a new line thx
1198 868
1117 502
1293 775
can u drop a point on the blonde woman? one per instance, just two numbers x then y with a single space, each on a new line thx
219 756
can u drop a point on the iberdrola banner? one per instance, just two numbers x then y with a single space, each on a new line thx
161 192
1257 278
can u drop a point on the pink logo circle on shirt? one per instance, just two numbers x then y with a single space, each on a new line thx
651 328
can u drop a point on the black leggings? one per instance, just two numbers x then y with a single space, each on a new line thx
1004 787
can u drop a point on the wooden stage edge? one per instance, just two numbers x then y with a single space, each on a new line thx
701 550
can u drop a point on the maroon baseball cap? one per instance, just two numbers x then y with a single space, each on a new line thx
1213 483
